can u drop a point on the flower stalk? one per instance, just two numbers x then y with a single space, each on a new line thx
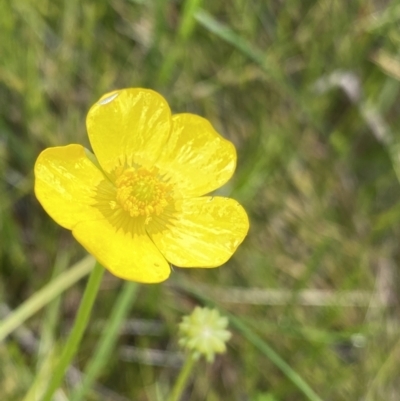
182 380
78 329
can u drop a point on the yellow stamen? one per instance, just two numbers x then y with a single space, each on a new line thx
141 192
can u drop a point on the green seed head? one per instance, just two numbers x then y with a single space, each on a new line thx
203 333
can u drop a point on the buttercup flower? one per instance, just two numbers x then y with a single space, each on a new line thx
137 203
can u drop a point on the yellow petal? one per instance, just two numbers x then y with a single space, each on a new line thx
206 232
129 256
128 125
65 182
196 157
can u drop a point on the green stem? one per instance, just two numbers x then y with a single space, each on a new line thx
182 379
108 339
44 296
78 329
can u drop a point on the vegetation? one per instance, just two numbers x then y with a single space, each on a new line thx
308 91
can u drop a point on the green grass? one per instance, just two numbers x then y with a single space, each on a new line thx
318 173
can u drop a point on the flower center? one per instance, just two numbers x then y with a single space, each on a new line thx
141 192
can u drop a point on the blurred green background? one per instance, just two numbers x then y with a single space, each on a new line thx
308 91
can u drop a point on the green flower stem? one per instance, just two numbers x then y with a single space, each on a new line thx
45 295
78 329
182 379
107 341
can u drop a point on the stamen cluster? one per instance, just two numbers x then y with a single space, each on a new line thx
140 192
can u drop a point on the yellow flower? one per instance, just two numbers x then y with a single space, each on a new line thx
137 203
